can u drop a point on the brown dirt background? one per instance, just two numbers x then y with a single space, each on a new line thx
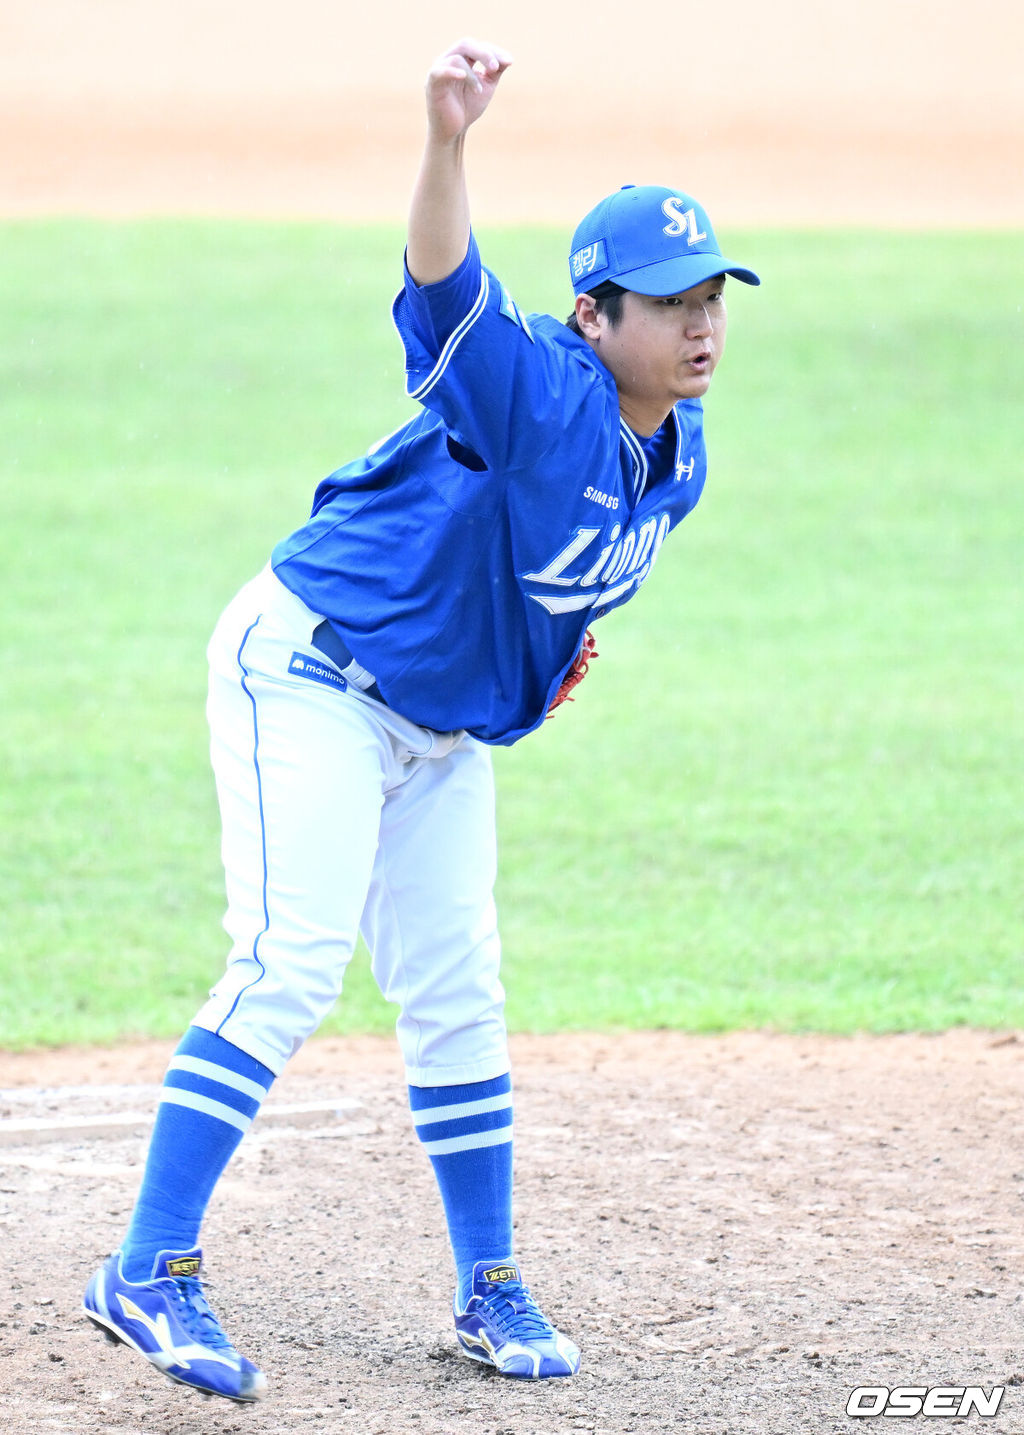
737 1229
795 112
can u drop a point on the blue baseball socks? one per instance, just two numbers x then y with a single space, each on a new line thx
210 1095
467 1133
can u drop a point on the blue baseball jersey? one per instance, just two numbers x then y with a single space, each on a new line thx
462 558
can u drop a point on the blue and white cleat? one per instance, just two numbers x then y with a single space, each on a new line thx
167 1319
502 1326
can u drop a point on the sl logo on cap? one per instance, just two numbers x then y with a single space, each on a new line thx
684 221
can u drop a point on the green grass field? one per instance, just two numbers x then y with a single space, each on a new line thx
788 795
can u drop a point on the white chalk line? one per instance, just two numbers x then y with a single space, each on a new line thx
16 1131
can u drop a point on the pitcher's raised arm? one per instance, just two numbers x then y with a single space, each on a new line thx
460 86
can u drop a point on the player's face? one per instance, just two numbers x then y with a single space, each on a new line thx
663 349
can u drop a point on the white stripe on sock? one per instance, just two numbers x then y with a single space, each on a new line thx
217 1109
209 1069
468 1143
431 1114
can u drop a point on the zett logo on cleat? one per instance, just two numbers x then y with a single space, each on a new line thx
184 1266
497 1275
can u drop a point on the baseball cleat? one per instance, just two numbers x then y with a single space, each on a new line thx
502 1326
167 1319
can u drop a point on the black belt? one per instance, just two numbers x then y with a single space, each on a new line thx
326 639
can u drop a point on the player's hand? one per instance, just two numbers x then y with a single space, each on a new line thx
460 86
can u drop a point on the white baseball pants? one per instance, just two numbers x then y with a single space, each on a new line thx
340 815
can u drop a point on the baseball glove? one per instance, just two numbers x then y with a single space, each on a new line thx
576 673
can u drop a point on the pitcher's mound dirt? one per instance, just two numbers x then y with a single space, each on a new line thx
738 1231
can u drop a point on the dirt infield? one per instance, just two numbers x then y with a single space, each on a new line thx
738 1230
796 112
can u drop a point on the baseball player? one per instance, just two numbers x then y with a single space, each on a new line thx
436 602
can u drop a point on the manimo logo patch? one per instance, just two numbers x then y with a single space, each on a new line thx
303 666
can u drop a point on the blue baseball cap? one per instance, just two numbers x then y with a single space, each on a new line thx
650 240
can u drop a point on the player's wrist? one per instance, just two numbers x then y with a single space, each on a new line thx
443 149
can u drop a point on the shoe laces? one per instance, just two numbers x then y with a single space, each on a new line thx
198 1318
517 1313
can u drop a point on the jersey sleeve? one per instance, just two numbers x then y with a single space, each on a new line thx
435 311
504 391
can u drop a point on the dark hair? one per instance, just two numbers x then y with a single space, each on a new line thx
607 299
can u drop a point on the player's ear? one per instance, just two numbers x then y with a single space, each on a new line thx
587 317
